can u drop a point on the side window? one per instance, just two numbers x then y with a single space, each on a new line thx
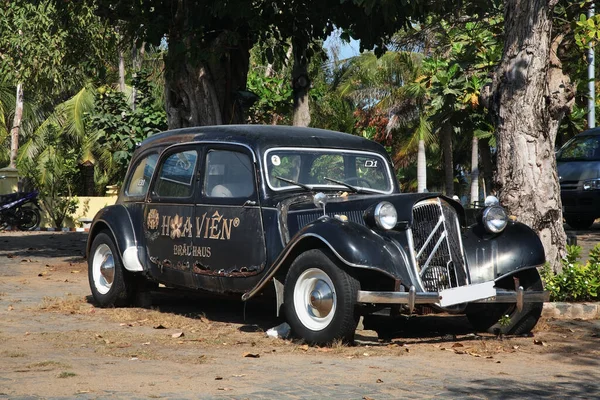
140 178
228 174
176 175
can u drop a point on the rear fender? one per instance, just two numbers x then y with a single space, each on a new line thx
492 257
117 220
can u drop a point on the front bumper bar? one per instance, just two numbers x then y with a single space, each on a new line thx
410 298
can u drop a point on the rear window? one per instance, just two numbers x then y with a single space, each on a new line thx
140 178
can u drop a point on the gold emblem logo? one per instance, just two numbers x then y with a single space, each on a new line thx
153 219
176 224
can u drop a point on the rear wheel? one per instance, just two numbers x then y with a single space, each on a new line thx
28 219
110 283
320 299
486 317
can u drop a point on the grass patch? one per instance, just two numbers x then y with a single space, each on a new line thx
70 304
13 354
66 374
47 365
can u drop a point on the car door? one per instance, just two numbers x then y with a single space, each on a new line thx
228 240
169 215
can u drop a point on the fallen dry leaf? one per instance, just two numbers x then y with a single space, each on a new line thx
252 355
218 378
160 326
458 345
379 381
539 342
304 347
177 335
223 388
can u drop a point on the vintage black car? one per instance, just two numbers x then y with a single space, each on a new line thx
317 219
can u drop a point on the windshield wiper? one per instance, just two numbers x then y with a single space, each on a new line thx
353 188
302 185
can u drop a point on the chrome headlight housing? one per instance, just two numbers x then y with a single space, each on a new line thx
494 219
383 216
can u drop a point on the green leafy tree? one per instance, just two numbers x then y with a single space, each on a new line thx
46 48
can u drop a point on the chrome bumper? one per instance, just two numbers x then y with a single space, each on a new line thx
493 295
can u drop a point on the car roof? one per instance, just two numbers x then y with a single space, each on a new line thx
590 132
262 137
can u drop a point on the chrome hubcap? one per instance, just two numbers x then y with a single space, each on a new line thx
315 299
321 299
103 268
107 268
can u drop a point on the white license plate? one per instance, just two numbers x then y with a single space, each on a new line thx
465 294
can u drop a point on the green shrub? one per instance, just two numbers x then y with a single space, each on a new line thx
576 281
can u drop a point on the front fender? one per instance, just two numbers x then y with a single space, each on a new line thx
491 257
117 220
354 245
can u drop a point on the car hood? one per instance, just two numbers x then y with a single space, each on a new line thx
578 170
297 212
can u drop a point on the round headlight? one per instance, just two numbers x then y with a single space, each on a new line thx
386 215
491 201
494 219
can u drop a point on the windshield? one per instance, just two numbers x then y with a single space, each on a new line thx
317 168
581 148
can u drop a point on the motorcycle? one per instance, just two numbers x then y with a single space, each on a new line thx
20 210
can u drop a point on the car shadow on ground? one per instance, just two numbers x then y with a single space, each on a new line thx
70 246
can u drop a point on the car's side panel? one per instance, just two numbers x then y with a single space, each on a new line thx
491 257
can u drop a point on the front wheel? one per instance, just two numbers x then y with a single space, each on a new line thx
28 219
492 317
110 286
320 299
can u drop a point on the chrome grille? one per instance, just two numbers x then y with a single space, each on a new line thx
305 219
438 246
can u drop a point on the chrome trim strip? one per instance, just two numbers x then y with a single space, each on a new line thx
433 231
435 249
502 296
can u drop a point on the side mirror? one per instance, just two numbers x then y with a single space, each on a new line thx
320 200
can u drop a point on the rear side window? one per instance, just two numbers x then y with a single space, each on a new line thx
140 178
228 174
176 175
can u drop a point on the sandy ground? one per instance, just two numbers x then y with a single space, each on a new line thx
54 343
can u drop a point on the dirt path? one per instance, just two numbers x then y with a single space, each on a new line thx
55 344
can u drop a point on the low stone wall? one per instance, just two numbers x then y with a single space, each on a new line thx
86 210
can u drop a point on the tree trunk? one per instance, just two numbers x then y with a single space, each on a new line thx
203 89
16 127
446 133
531 96
487 165
121 71
300 86
474 170
421 168
138 59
